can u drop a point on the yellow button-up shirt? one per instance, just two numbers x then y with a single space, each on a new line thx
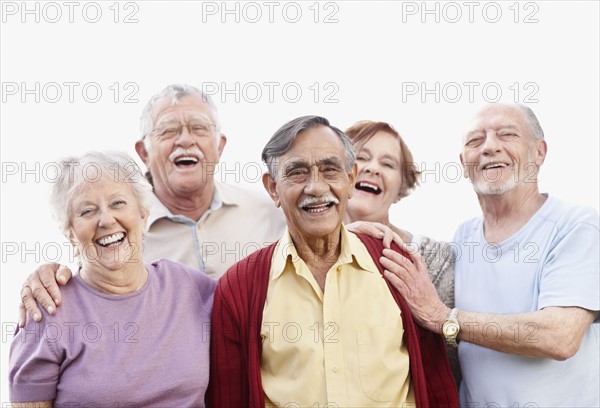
341 347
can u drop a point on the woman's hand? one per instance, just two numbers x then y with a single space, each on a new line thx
376 230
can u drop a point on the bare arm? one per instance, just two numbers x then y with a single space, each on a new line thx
42 285
553 332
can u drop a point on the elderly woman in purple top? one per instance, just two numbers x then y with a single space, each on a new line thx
123 337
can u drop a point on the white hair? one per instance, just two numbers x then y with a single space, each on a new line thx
93 167
174 92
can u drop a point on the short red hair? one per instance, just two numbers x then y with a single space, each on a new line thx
361 132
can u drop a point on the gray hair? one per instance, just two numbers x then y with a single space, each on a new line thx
175 92
91 168
535 129
283 138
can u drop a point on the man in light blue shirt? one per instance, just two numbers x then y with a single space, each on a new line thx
527 278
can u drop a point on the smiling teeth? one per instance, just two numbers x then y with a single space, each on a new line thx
111 239
315 205
493 166
368 187
187 158
363 184
319 208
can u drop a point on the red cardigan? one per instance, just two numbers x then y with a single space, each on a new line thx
236 345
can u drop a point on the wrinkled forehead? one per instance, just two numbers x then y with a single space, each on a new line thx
85 189
316 143
496 117
189 107
303 158
314 146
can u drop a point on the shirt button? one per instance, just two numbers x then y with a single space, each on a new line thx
339 268
335 369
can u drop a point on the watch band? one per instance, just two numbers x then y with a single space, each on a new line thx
453 314
451 328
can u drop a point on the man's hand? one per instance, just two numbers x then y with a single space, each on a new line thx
376 230
410 277
42 285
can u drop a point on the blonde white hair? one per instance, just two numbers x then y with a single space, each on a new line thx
92 167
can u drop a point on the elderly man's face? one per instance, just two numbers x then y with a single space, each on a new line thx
499 153
182 159
312 184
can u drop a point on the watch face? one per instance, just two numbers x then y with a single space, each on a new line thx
450 329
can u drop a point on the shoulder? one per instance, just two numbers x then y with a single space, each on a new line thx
235 193
170 269
566 214
372 244
467 228
431 247
249 201
75 295
248 272
167 270
263 221
375 246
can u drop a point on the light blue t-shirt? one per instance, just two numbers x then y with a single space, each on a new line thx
553 260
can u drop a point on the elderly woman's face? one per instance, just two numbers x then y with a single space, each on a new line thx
107 224
379 178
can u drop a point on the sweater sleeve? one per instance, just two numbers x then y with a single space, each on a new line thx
440 262
236 345
228 385
34 365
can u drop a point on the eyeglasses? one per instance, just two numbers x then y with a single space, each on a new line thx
171 131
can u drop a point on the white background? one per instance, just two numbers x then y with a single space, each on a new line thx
367 63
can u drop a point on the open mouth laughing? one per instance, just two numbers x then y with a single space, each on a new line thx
183 158
111 240
186 161
493 165
316 205
368 187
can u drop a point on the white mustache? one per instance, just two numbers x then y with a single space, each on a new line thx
180 151
324 199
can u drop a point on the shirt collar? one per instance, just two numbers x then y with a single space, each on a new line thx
352 250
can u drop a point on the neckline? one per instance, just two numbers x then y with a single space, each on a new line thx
83 284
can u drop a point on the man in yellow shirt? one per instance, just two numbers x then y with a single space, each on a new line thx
309 321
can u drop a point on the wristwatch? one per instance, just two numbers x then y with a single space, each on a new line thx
450 328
